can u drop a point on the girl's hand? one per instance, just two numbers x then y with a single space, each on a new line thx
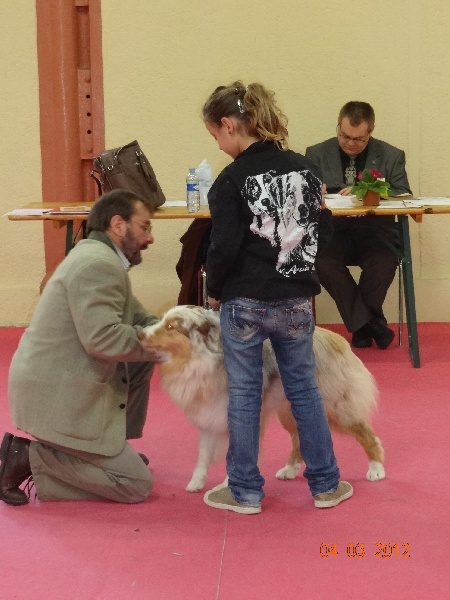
324 191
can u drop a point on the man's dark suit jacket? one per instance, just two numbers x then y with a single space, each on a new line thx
383 157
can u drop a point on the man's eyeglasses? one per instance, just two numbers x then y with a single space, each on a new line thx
146 228
358 140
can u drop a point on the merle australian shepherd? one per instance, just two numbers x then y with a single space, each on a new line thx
195 379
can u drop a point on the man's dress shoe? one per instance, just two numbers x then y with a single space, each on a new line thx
381 333
375 329
361 338
14 469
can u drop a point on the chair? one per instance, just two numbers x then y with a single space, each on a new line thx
190 264
202 293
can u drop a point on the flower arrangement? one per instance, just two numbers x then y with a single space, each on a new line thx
370 181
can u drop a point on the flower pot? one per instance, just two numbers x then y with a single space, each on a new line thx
371 198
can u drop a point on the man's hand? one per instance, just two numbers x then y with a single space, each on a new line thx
156 356
213 303
346 191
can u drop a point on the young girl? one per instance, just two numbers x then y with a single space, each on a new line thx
265 208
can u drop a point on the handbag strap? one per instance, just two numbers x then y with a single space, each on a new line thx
143 163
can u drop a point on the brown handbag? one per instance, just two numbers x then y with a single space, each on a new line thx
127 168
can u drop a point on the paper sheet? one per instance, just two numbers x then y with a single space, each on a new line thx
27 212
338 201
175 203
430 201
37 212
394 204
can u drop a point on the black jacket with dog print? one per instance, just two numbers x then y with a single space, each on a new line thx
265 211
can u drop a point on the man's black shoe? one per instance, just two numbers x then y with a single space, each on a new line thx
361 338
15 469
381 333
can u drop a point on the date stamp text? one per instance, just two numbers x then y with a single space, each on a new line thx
360 550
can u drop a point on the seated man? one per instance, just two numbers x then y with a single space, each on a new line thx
356 240
79 380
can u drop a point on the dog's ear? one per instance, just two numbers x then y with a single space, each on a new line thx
204 329
210 333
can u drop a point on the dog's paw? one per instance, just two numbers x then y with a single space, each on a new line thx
288 472
376 471
195 485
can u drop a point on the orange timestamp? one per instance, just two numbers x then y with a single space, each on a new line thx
359 550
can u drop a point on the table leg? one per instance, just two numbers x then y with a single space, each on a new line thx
72 238
69 237
408 286
403 252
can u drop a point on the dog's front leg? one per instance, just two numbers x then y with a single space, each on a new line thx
207 448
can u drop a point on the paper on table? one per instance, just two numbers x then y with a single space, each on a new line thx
68 210
394 203
37 212
338 201
27 212
423 202
74 208
431 201
175 203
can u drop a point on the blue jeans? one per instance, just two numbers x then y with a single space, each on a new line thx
289 325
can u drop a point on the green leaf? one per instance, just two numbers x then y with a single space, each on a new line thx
369 182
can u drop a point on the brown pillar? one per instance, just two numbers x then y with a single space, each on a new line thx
71 106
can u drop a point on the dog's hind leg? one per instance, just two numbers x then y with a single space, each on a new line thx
292 467
365 435
209 446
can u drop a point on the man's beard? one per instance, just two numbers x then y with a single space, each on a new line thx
132 249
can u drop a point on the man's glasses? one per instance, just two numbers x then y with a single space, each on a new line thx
358 140
146 228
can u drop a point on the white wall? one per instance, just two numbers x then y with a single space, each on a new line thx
163 58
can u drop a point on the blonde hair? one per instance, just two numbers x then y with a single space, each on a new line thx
253 106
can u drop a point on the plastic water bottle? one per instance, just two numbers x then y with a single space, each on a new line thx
192 191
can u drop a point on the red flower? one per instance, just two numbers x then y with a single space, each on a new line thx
370 180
